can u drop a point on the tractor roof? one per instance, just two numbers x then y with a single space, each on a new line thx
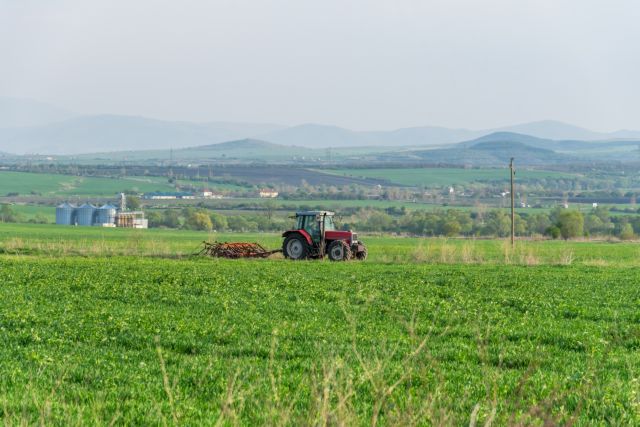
314 213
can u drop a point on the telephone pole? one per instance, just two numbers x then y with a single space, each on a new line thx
513 214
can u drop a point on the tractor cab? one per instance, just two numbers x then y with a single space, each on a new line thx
315 221
315 235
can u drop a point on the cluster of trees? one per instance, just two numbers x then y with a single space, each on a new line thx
206 220
558 223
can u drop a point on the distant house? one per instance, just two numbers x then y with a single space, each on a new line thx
163 195
268 194
206 194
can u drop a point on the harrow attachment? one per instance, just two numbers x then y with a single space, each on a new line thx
235 250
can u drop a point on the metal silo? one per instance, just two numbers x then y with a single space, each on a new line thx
105 215
65 214
85 214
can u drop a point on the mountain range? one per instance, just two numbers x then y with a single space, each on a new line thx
33 127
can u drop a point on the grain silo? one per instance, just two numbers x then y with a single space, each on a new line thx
65 214
85 214
106 216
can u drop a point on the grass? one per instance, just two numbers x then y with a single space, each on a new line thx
136 341
430 177
122 327
25 183
32 211
57 240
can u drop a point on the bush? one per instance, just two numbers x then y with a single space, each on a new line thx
626 232
571 224
198 221
7 214
553 231
219 222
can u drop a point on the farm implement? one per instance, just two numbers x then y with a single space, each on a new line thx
235 250
313 237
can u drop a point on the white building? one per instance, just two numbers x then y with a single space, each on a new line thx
268 194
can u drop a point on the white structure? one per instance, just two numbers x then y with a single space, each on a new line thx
131 220
206 194
268 194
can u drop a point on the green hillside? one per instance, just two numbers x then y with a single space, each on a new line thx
25 184
445 176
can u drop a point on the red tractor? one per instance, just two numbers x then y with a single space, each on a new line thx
315 235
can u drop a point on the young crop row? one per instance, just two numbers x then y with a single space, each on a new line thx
146 341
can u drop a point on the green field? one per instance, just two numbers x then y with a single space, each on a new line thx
55 185
430 177
30 212
55 241
120 327
25 183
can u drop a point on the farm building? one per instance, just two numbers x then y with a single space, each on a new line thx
268 194
163 195
104 216
206 194
131 220
65 214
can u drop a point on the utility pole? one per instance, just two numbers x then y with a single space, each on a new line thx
513 214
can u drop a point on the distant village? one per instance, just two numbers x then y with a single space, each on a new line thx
205 194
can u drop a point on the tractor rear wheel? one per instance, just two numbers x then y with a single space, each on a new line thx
295 247
362 255
339 250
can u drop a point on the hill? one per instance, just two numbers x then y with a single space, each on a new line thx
546 133
485 153
245 150
26 127
511 137
551 129
104 133
16 112
316 136
243 144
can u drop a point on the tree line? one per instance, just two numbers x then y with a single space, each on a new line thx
480 222
556 223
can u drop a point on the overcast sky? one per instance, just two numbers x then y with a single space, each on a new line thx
362 64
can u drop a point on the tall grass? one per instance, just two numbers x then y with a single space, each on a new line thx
331 393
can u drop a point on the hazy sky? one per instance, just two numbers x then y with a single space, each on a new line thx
363 64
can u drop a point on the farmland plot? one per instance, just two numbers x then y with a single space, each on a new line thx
144 341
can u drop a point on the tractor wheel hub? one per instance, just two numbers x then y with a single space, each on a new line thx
337 252
294 249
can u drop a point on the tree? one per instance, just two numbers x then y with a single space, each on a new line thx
155 219
133 202
198 221
553 231
379 221
571 224
171 219
498 223
40 219
451 228
219 222
538 223
270 206
7 214
626 232
237 223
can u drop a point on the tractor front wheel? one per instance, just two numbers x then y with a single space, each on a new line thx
295 247
362 255
339 250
